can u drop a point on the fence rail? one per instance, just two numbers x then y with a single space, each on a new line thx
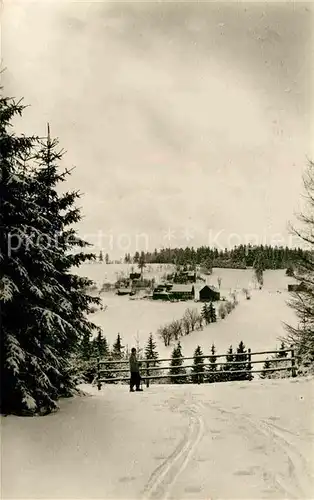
149 365
126 362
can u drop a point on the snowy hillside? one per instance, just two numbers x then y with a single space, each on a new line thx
258 322
245 440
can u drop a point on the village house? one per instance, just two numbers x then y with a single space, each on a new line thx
297 287
164 286
182 292
125 291
135 276
161 294
191 276
161 291
208 293
173 292
185 277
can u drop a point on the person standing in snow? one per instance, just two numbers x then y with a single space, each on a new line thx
135 379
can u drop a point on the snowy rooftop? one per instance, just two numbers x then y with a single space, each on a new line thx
181 288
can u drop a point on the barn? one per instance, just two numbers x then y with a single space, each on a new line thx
209 294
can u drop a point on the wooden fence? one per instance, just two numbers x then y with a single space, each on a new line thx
147 367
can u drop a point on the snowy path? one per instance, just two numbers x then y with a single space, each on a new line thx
232 440
165 476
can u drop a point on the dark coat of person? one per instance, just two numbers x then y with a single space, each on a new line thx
134 364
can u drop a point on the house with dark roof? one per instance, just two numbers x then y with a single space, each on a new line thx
208 293
297 287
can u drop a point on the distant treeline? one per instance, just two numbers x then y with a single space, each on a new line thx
240 257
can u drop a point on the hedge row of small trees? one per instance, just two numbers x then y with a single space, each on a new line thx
191 321
206 369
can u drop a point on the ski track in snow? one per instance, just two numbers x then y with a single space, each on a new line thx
302 484
296 484
297 463
163 479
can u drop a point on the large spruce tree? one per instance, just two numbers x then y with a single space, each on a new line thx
44 305
302 335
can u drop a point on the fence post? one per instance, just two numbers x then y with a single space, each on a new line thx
199 377
147 374
98 374
293 370
249 357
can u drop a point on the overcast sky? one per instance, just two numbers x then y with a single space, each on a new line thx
187 122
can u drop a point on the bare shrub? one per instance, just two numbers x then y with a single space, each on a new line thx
229 306
186 326
164 332
199 324
234 298
222 311
192 316
175 328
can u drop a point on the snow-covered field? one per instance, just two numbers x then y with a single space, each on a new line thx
258 322
109 273
240 440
